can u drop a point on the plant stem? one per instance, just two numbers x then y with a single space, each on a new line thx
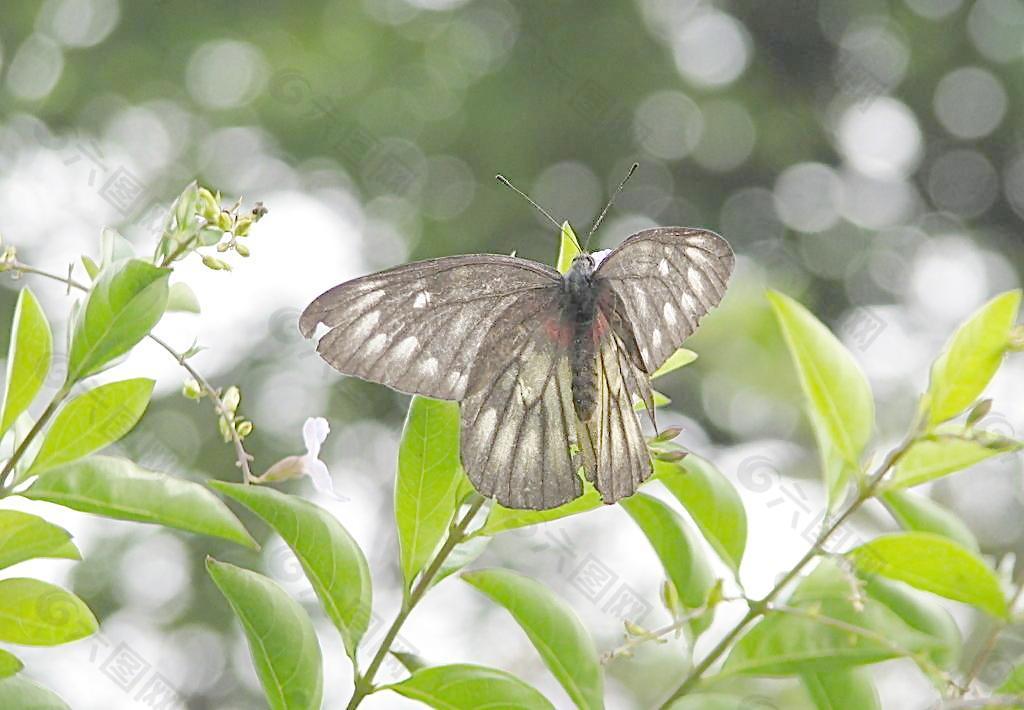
989 645
759 607
457 533
640 639
243 457
19 452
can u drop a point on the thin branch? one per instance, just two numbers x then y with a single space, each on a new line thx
760 607
989 644
626 648
457 533
243 457
19 453
994 701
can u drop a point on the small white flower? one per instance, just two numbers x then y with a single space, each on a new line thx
599 256
314 433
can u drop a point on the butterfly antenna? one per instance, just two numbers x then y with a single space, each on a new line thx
505 181
600 217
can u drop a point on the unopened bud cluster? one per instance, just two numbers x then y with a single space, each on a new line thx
199 220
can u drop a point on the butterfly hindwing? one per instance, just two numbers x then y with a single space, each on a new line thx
519 429
667 278
417 328
613 444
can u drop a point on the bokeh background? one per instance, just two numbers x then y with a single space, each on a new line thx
863 157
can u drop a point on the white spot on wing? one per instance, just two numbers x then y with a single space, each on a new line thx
453 377
485 427
655 339
670 313
691 303
407 347
696 280
422 300
364 325
663 267
429 366
368 300
376 344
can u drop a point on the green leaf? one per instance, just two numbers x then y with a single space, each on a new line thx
468 687
933 564
410 661
501 518
917 513
845 689
92 421
971 358
922 613
91 267
20 692
117 488
281 637
787 644
331 559
114 247
461 555
712 502
552 627
934 457
182 299
659 399
1014 683
840 404
568 248
122 307
428 481
28 359
26 537
9 665
676 546
37 613
680 358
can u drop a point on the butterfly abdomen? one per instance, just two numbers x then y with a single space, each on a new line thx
581 304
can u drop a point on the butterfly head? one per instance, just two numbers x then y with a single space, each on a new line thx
582 265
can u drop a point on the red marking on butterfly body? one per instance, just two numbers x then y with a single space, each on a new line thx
600 327
558 331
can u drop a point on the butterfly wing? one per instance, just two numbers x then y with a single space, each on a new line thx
417 328
519 433
613 446
667 279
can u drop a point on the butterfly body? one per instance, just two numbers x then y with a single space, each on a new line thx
546 367
581 311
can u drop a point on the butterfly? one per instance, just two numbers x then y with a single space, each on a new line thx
546 367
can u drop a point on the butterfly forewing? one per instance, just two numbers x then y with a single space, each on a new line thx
519 440
667 278
417 328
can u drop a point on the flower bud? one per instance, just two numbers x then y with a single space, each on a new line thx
242 226
242 249
244 428
192 389
224 221
210 205
231 398
212 263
